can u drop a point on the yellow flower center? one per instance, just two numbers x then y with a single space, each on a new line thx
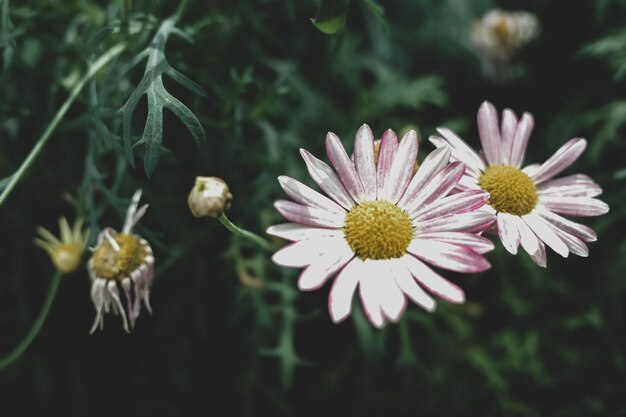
112 264
503 31
378 230
511 191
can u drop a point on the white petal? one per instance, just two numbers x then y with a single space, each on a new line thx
478 244
575 206
306 252
310 216
461 151
508 129
439 186
578 185
307 196
448 256
295 232
544 232
576 229
340 295
401 169
407 284
453 204
574 244
433 163
338 254
508 232
344 167
386 155
530 242
562 158
364 160
327 180
520 140
474 221
372 291
435 283
489 132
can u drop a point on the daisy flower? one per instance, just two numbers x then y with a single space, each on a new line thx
121 260
527 202
379 226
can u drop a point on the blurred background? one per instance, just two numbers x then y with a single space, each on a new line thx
230 331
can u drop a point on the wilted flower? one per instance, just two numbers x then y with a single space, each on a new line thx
121 259
526 201
499 34
381 226
210 197
67 252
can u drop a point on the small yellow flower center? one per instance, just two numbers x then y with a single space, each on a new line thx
502 31
112 264
378 230
511 191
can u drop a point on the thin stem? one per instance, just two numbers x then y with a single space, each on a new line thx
34 331
244 233
91 72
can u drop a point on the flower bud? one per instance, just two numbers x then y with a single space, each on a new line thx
65 252
210 197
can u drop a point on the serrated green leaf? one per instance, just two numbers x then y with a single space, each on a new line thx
331 16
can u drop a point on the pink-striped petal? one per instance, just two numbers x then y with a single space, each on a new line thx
575 206
309 216
433 163
434 282
562 158
531 243
574 244
508 232
342 291
334 258
467 182
453 204
472 222
542 229
581 231
577 185
306 252
476 243
327 180
489 132
439 186
448 256
295 232
409 286
461 151
344 167
508 129
386 155
364 160
401 169
520 140
307 196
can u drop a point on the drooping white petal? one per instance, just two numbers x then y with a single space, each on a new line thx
489 132
401 168
344 167
434 282
562 158
114 293
307 196
433 163
327 180
310 216
476 243
295 232
508 232
520 140
342 290
448 256
364 160
575 206
544 232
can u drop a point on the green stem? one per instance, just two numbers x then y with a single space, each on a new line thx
91 72
180 10
244 233
34 331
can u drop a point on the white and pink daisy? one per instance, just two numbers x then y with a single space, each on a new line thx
379 226
527 202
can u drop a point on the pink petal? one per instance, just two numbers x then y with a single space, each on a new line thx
461 151
344 167
327 180
310 216
508 232
575 206
508 129
489 132
307 196
439 186
435 283
364 160
476 243
453 204
531 243
474 221
577 185
295 232
520 140
448 256
401 169
335 258
562 158
408 285
386 155
433 163
542 229
342 290
579 230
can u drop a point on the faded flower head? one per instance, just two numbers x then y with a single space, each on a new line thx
67 252
210 197
380 226
121 261
527 202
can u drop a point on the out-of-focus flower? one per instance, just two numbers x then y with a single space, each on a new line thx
378 226
527 202
121 260
499 34
210 197
67 252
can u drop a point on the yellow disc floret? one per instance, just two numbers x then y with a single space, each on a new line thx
378 230
112 264
511 191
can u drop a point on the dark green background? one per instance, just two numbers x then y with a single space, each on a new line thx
529 341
